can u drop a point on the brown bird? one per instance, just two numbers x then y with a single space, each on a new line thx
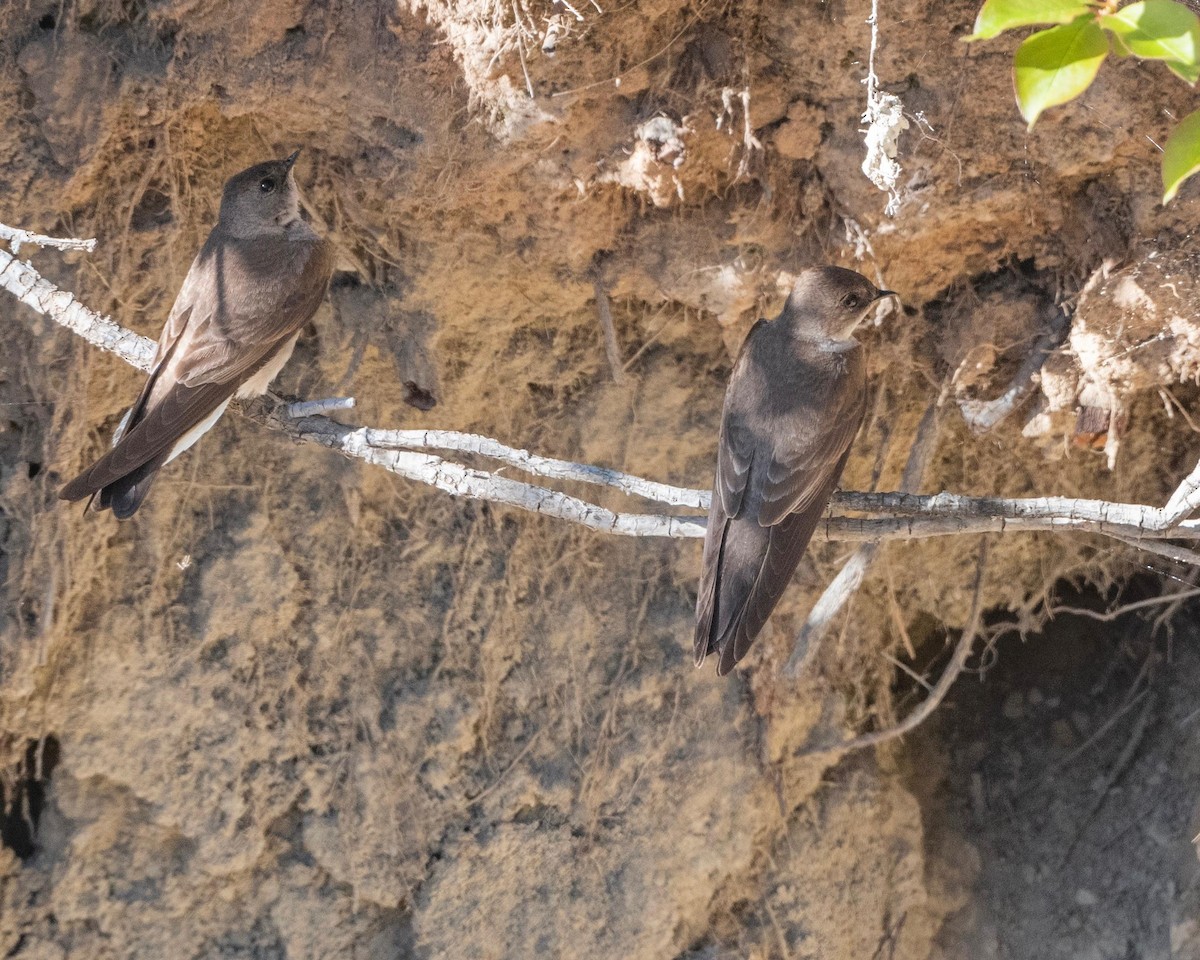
794 403
258 279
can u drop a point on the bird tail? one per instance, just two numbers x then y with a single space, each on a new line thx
756 565
125 495
708 595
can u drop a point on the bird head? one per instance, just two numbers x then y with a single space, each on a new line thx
828 303
261 200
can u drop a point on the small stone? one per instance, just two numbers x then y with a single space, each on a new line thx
1085 898
1014 705
1035 697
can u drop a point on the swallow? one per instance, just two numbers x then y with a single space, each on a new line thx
794 403
257 280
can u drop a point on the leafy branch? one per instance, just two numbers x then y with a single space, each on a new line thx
1054 66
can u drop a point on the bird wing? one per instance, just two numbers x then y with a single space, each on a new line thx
209 346
736 444
757 565
707 595
735 455
802 461
775 474
237 338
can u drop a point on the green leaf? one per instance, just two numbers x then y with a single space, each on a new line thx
1187 72
1181 155
1157 30
1120 48
996 16
1056 65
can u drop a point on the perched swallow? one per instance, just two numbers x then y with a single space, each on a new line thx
258 279
795 401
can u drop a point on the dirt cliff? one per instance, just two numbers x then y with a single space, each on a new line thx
301 708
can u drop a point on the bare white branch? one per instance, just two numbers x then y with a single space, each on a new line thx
538 466
831 601
314 408
461 481
958 661
1128 519
861 529
16 237
896 515
851 576
1184 501
982 415
28 286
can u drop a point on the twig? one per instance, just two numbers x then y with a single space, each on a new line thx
521 51
1167 615
1131 519
982 415
829 605
945 682
610 332
1168 550
650 341
851 576
901 665
578 16
471 801
1115 772
898 616
616 80
1096 735
1107 616
16 237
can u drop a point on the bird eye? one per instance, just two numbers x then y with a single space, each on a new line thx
851 300
267 184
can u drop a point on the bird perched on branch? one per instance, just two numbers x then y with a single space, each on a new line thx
258 279
794 403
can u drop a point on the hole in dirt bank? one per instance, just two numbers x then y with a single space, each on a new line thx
152 211
23 796
417 396
1059 790
345 280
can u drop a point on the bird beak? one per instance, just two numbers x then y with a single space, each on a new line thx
287 164
886 293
